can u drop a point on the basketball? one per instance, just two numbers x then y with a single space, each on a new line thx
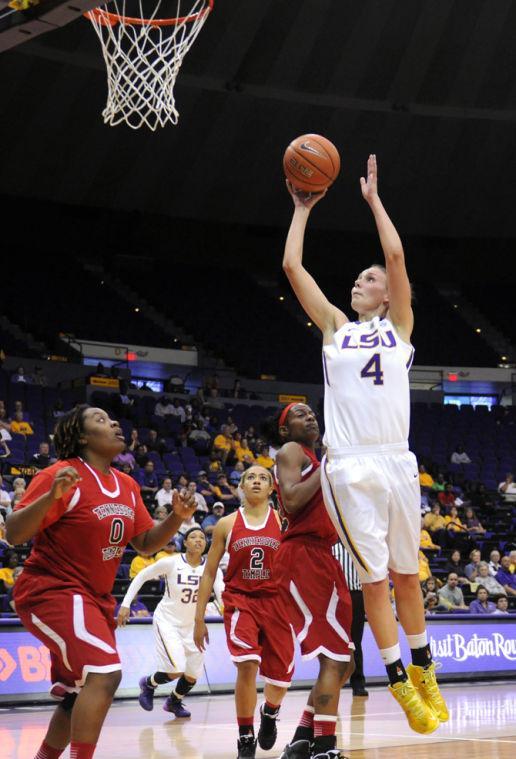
311 163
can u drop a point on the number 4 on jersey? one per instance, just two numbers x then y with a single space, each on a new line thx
373 369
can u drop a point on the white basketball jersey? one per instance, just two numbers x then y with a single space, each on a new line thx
182 581
366 399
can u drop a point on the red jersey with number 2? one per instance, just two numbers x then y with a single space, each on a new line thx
251 551
83 536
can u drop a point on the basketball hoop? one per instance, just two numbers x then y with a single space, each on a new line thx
143 56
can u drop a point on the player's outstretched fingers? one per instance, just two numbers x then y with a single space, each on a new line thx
123 615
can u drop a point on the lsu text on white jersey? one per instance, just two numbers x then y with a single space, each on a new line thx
177 607
366 398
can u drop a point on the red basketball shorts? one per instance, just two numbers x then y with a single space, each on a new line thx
257 630
316 599
78 629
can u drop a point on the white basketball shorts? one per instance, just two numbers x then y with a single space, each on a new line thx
372 495
176 650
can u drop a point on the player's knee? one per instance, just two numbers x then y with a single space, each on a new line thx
332 667
247 669
106 682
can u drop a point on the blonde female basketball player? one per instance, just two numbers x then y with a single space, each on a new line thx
369 477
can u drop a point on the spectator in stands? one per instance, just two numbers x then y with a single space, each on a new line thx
155 443
58 409
164 407
237 391
223 444
211 520
494 562
431 604
19 487
204 486
482 604
424 567
436 526
199 439
160 513
502 606
459 456
140 455
18 406
213 400
264 459
139 562
182 481
225 492
505 576
236 474
10 563
425 479
38 378
201 505
164 495
430 585
244 453
42 459
451 595
425 541
5 452
133 441
215 463
512 557
19 375
472 567
473 524
178 410
480 498
455 564
20 427
5 500
507 488
453 521
149 484
10 600
487 581
126 457
439 483
5 425
250 436
447 497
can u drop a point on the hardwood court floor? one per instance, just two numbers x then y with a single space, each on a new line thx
482 726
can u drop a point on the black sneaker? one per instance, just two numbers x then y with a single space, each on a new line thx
360 692
297 750
246 747
268 731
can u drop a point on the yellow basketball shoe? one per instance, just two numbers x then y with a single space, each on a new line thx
421 718
426 683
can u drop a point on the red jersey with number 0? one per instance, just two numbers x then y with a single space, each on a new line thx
83 535
312 519
251 551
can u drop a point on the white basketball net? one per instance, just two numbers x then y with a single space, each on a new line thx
143 60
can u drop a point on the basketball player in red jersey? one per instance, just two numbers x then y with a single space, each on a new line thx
81 515
311 583
258 635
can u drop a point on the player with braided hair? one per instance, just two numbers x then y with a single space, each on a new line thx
81 514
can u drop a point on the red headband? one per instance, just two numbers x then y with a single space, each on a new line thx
284 413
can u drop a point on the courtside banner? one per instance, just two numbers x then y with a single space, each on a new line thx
463 647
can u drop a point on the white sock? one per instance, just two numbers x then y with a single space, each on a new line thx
418 641
390 655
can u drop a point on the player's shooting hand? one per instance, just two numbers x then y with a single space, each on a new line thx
304 199
200 635
123 615
183 503
369 186
65 479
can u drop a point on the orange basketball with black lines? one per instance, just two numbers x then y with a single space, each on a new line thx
311 163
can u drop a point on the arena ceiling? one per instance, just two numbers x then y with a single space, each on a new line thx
430 87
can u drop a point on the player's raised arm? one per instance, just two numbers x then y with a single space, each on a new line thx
400 294
327 316
215 554
289 465
157 569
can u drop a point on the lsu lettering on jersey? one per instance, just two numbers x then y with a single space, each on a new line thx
83 536
366 399
177 607
251 551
